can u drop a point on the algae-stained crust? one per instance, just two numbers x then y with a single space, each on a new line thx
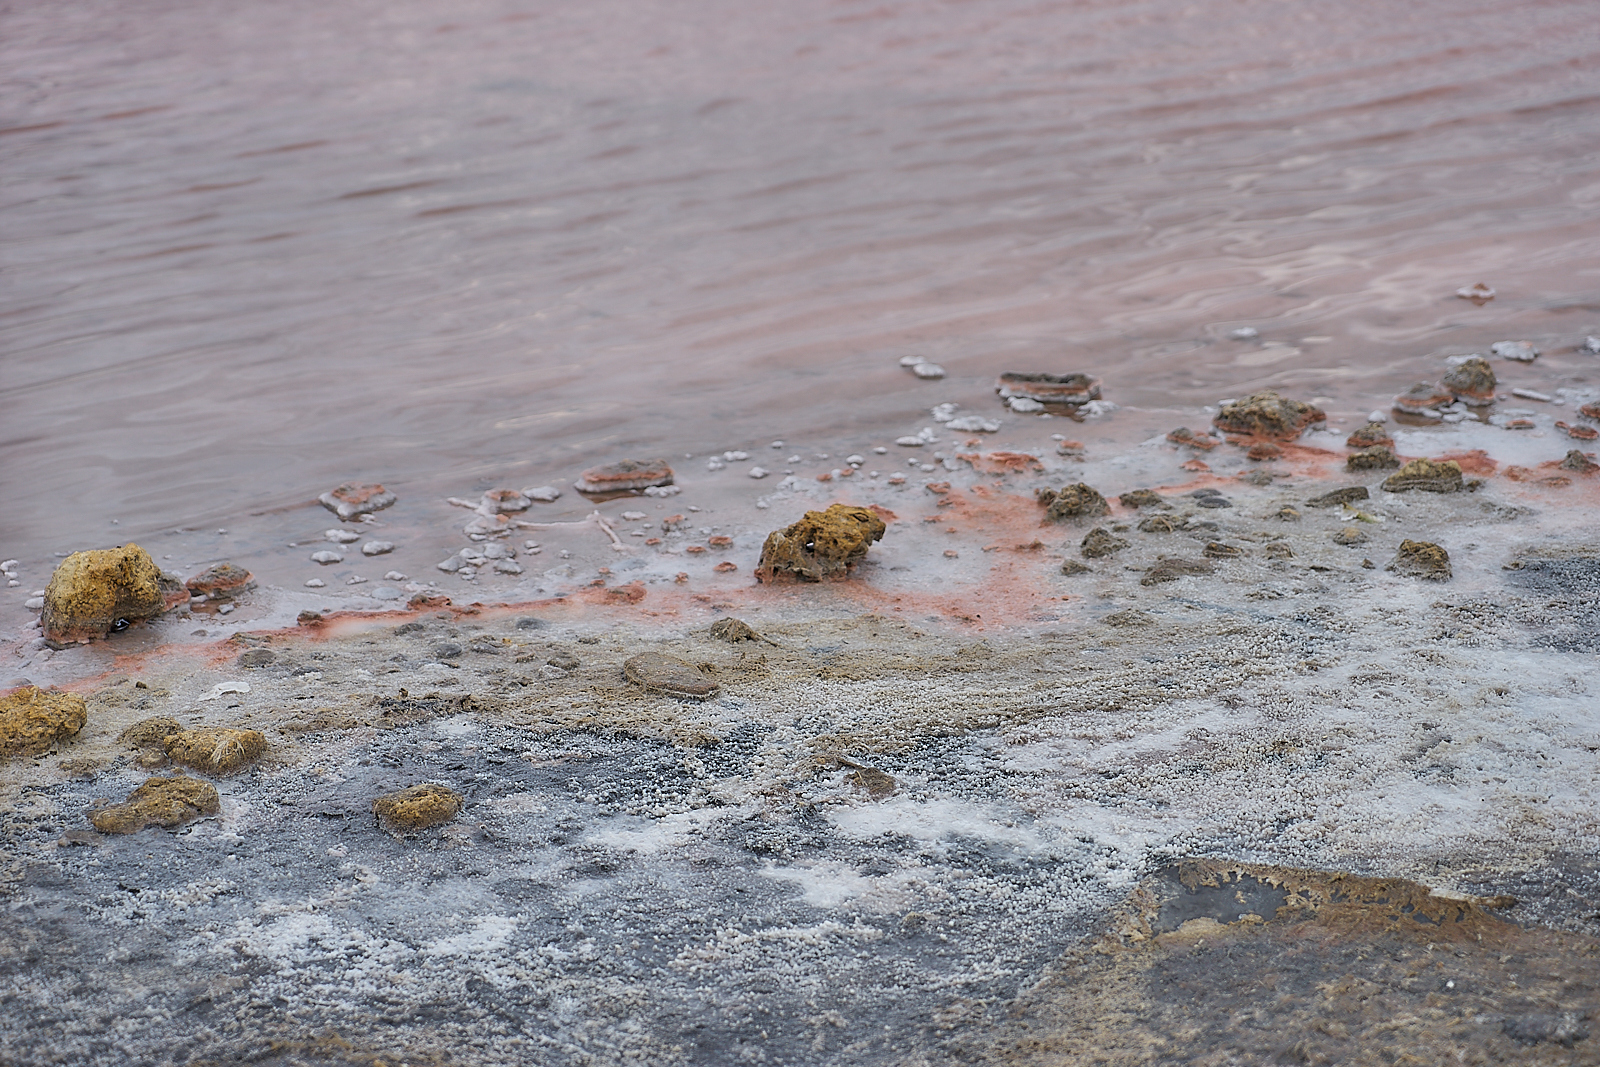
657 673
417 807
733 631
823 544
1100 542
1472 382
33 719
166 802
1073 503
217 750
1377 457
1426 475
1421 559
1266 414
92 592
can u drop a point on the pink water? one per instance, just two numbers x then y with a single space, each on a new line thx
253 250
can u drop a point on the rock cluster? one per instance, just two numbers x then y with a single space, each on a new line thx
92 593
823 544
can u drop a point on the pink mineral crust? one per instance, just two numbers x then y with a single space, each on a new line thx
351 501
628 474
1423 397
1049 388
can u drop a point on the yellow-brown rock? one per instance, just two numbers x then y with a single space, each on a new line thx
823 544
164 802
94 592
1266 414
417 808
216 750
33 719
1426 475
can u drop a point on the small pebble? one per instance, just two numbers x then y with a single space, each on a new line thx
343 537
1590 346
734 457
632 516
777 444
928 370
715 464
1378 416
1023 405
377 548
225 609
326 557
1244 333
34 603
394 576
911 361
758 472
855 460
355 579
544 494
314 583
1521 351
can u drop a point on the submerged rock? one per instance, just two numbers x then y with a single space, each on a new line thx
1370 436
33 720
1049 388
1580 462
1171 568
91 593
221 581
1426 475
417 807
1143 498
1421 559
1424 398
823 544
1073 503
215 750
1185 436
1472 382
351 501
1100 542
165 802
1376 458
1266 414
624 475
1349 494
658 673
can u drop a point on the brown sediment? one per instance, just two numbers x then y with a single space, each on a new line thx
657 673
1100 542
1266 414
875 783
1421 559
34 720
1001 462
1214 962
1171 568
165 802
1376 458
1471 382
1049 388
1373 433
1426 475
822 545
1263 450
1072 503
417 807
1221 550
351 501
624 475
91 593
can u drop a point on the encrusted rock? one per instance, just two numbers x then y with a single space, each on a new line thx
1221 550
1520 351
1163 524
1049 388
823 544
1100 542
1185 436
1277 550
1370 435
1264 450
1266 414
1350 535
91 593
215 750
1143 498
417 808
1376 458
1472 382
1128 618
1421 559
1426 475
627 474
351 501
1072 566
221 581
875 783
1349 494
1074 503
658 673
1289 513
1424 398
166 802
32 720
1580 462
733 631
1171 568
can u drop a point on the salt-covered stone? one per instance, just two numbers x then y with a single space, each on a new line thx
340 537
1024 405
377 548
974 424
326 556
624 475
928 370
544 494
1074 388
1520 351
351 501
1244 333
